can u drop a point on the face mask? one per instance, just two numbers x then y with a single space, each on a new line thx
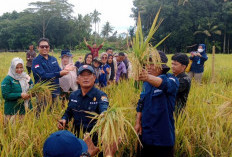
200 50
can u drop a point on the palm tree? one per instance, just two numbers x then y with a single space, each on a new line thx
107 28
209 30
95 20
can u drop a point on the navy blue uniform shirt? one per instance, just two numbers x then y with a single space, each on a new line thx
157 106
44 70
94 101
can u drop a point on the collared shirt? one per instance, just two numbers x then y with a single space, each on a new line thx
157 107
47 69
29 57
121 70
183 91
94 101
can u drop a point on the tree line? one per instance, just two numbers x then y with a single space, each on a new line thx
190 22
52 19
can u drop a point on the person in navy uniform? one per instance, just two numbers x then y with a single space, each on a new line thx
155 122
46 67
87 98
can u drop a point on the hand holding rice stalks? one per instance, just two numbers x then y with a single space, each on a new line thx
112 128
142 50
42 91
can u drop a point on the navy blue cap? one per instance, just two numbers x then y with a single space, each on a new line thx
64 143
85 67
66 53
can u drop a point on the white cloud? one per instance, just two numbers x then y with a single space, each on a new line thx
117 12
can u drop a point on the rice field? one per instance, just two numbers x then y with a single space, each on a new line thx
203 130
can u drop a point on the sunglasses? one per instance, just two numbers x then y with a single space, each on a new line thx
44 46
104 57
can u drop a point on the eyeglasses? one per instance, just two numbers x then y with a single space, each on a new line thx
104 57
44 46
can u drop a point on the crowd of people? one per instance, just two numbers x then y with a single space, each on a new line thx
80 83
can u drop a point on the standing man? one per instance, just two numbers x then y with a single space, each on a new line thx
94 49
87 98
179 63
46 67
121 71
155 122
30 55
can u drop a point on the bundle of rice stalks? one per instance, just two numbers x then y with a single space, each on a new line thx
112 128
225 110
142 50
42 91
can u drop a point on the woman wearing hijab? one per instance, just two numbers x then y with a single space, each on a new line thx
198 59
87 60
14 87
105 70
112 68
67 82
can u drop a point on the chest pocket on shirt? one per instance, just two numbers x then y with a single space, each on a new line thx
92 107
158 99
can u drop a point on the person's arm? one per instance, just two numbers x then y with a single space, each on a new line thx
27 56
103 103
6 90
204 57
153 80
38 69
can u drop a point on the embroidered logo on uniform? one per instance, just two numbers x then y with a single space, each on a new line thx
54 62
73 100
157 91
15 82
94 99
93 103
36 66
85 66
172 79
104 98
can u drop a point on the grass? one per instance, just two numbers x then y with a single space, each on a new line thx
204 129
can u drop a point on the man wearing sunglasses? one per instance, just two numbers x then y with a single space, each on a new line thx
46 67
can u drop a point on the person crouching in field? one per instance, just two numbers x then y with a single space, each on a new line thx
67 82
179 63
14 87
155 122
87 98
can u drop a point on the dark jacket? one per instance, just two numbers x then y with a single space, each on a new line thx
183 91
94 101
157 106
198 62
44 70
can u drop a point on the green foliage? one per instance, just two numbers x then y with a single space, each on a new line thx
184 19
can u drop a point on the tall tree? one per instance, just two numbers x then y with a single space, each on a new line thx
95 19
106 30
45 11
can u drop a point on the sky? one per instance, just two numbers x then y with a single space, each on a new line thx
116 12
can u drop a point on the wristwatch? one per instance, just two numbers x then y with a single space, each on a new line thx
85 154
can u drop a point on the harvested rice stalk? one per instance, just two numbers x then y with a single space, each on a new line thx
142 50
42 91
111 127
